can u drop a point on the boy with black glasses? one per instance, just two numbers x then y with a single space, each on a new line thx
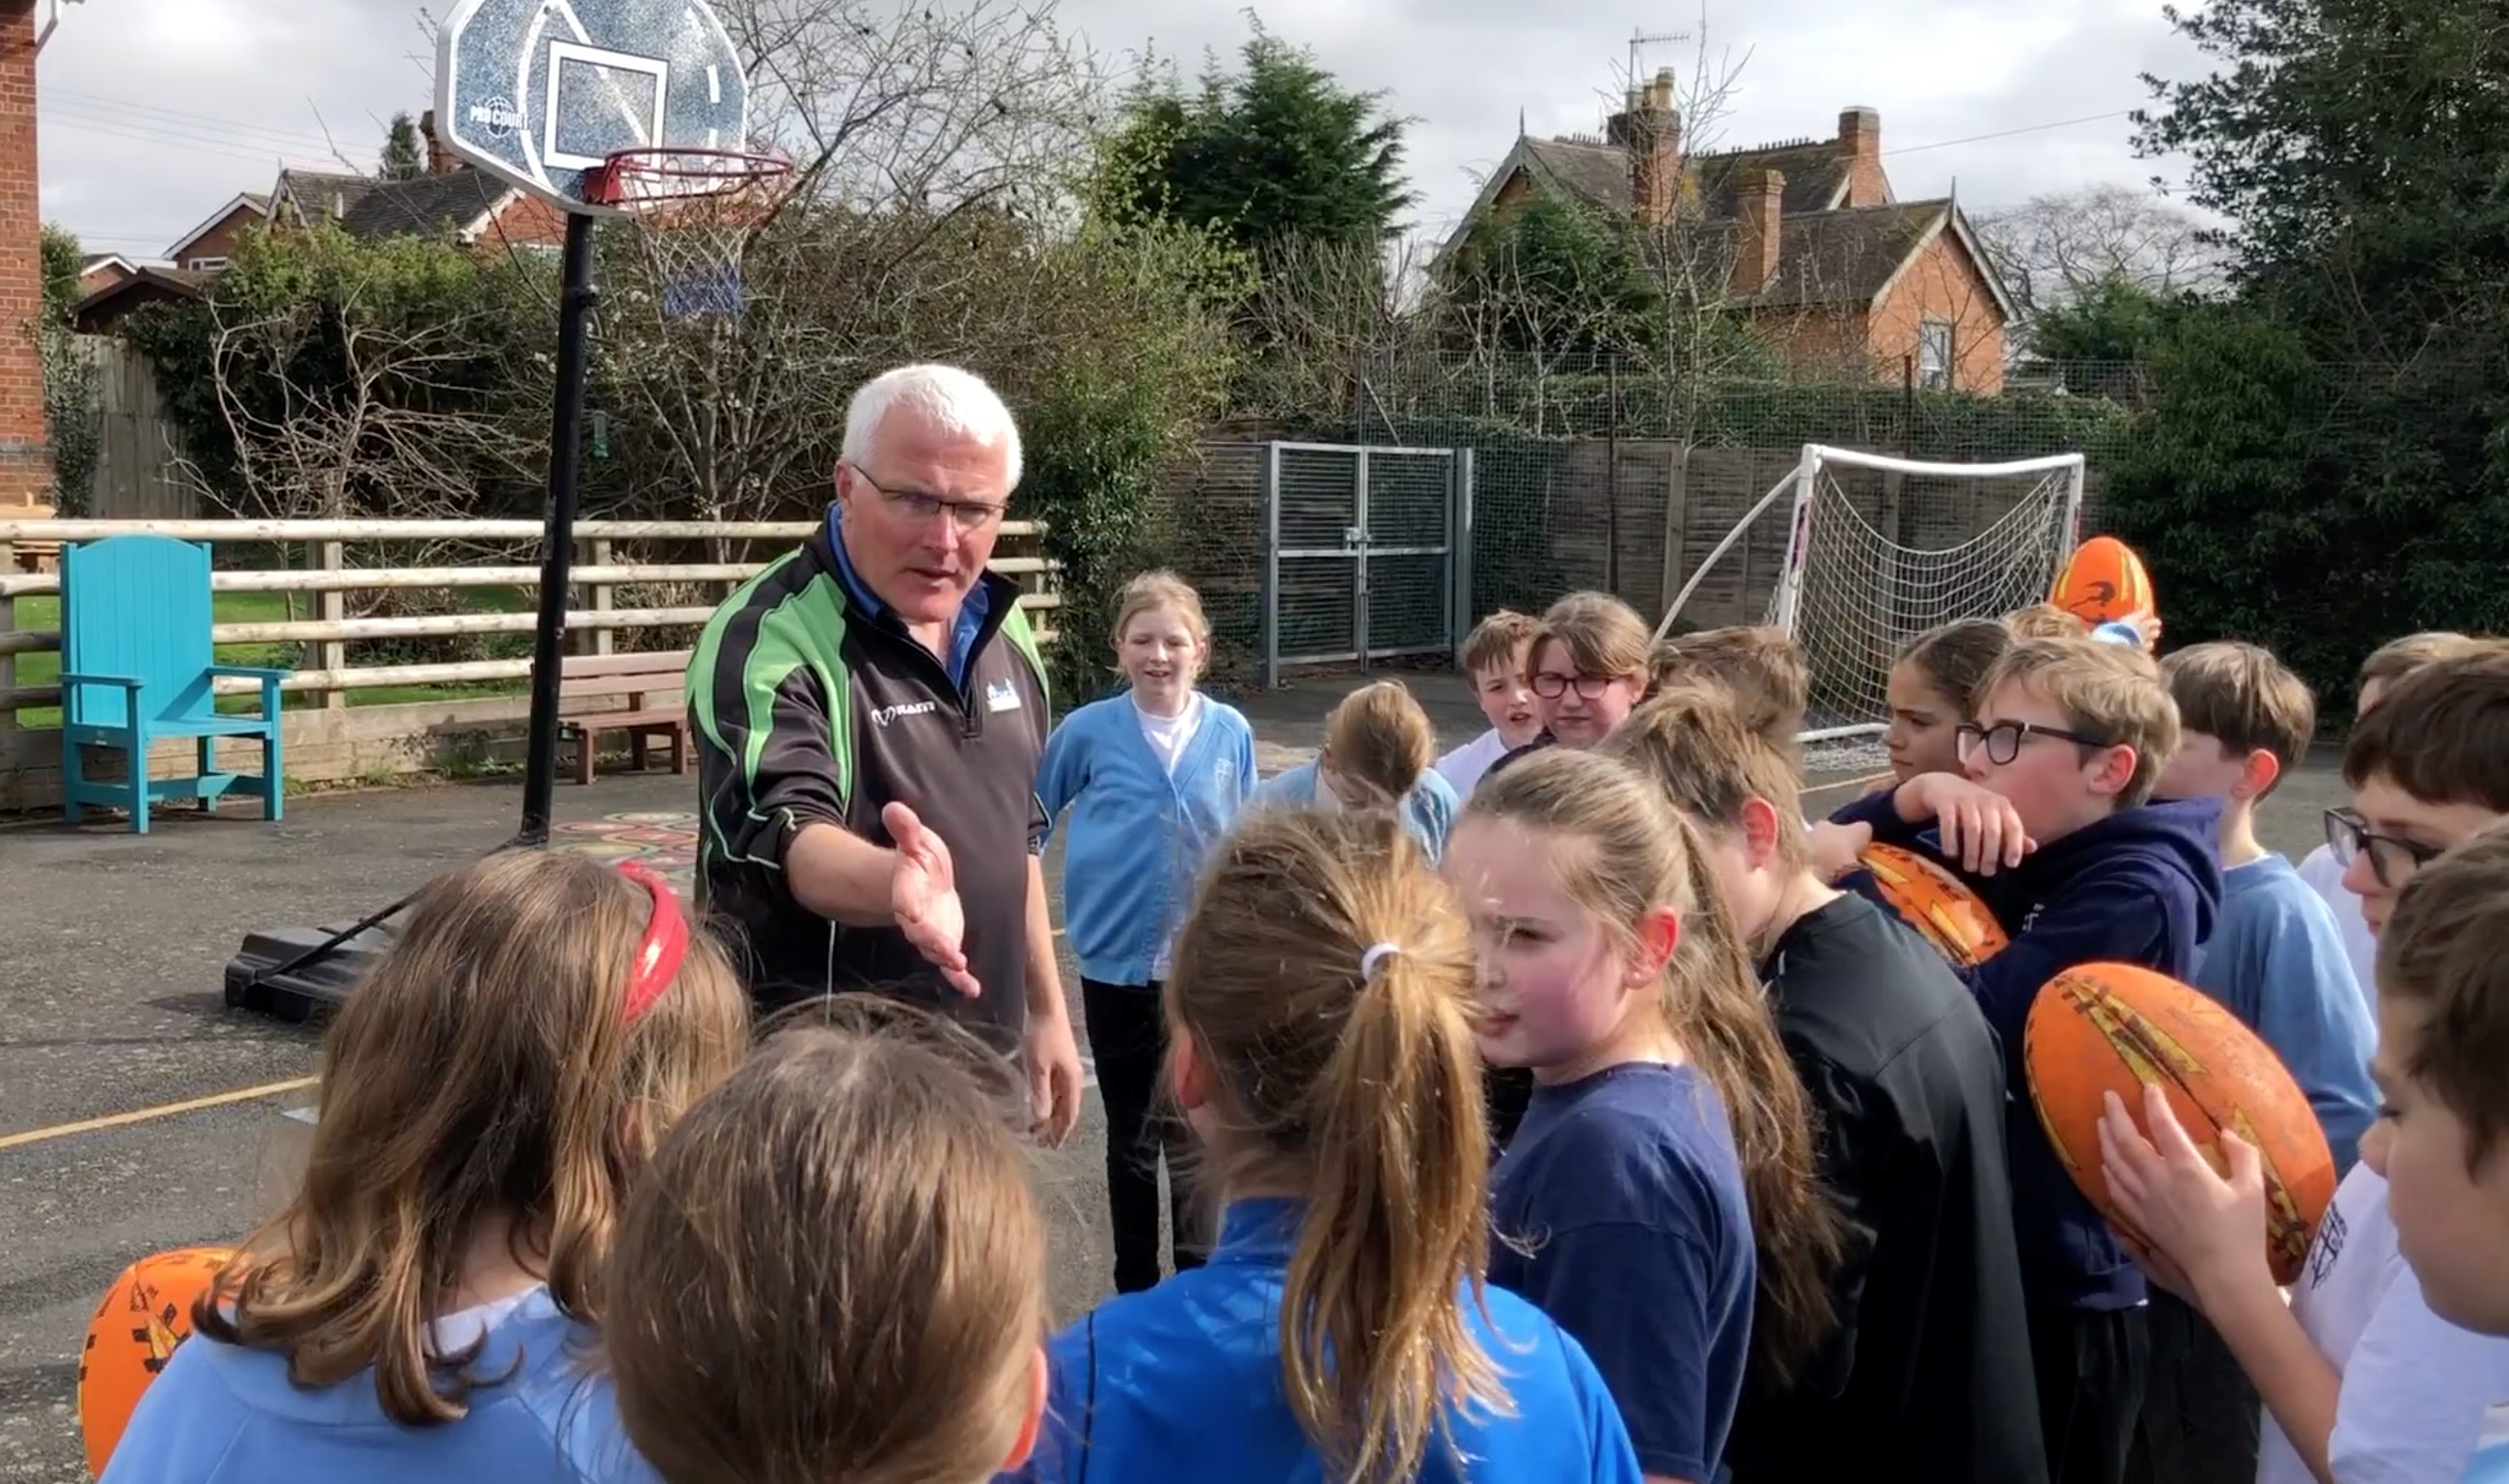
2054 829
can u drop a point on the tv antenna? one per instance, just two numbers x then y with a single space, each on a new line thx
1641 39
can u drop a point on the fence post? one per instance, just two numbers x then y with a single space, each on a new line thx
7 625
598 640
1677 525
332 606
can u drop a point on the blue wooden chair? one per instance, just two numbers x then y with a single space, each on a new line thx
136 665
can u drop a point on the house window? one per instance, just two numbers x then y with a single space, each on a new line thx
205 265
1935 356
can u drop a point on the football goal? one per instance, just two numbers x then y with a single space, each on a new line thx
1879 549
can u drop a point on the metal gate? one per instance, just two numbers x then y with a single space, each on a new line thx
1361 553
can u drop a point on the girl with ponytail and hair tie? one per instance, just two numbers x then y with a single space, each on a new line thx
1666 1124
1320 1006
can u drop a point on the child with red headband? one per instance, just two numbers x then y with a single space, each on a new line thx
422 1307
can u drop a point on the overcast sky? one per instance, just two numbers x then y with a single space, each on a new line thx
154 113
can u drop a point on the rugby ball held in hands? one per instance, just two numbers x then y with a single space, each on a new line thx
2102 1028
2103 582
1929 898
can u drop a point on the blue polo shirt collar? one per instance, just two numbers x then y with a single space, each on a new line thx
1258 1232
964 634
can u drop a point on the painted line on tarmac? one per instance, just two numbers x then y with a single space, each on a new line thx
147 1115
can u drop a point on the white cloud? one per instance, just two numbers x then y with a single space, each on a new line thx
156 111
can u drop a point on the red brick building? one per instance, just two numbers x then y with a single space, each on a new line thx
1832 270
206 248
25 453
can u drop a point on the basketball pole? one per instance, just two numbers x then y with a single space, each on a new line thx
557 549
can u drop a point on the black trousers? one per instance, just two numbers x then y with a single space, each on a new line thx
1128 1037
2199 1412
2092 1370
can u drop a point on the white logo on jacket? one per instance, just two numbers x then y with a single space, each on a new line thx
882 716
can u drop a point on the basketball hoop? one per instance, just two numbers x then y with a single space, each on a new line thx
695 212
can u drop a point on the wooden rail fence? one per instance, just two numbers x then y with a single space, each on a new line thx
331 636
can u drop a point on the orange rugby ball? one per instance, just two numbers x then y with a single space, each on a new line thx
2102 1028
1937 903
2103 582
145 1315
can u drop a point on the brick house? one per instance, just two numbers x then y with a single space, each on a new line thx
481 211
103 270
1832 270
206 248
25 451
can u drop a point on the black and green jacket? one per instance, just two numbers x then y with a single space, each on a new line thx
810 706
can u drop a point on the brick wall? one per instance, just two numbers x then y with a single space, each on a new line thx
25 460
211 249
1943 285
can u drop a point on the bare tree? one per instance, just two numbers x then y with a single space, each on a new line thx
922 107
2053 249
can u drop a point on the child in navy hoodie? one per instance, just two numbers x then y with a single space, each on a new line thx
1154 777
2052 827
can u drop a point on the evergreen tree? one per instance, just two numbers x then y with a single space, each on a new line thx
404 151
1274 149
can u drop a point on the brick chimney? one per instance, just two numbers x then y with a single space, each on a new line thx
25 453
1650 130
1759 215
440 161
1860 140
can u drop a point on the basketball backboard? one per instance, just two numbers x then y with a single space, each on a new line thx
542 91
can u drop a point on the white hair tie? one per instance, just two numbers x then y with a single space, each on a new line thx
1374 959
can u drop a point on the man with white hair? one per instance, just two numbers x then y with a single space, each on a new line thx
870 713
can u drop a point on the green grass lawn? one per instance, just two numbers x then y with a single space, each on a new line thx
45 614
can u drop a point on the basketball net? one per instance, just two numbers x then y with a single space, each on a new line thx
693 213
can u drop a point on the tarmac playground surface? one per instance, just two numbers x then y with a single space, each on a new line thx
138 1113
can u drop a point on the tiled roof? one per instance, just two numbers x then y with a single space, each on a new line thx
425 207
1845 256
1599 174
1816 173
323 194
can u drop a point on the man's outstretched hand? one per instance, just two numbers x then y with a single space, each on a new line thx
923 896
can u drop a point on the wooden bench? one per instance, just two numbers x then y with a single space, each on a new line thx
655 686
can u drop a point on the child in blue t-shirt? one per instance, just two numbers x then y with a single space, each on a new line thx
425 1307
1321 1006
2275 958
1154 777
1666 1121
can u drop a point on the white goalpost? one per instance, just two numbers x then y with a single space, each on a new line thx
1878 550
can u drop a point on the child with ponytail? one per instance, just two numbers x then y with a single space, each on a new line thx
422 1308
1666 1124
1320 1009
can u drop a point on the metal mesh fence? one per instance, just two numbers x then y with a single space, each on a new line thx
1589 472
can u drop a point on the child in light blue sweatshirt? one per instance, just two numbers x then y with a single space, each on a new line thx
1153 777
1377 754
424 1308
2276 960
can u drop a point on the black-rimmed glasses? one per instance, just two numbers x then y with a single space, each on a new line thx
2001 742
1550 684
2394 859
966 514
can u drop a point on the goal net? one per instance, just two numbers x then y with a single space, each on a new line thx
1877 552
